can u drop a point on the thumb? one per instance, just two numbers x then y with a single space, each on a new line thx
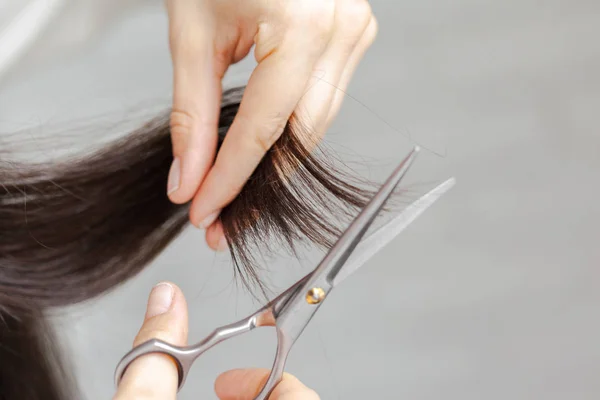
245 384
155 376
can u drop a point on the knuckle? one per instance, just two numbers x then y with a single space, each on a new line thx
371 32
180 123
183 123
315 16
264 134
355 16
263 140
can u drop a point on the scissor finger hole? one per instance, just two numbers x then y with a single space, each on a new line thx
173 359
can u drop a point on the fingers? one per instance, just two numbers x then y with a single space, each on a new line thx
322 39
215 237
155 376
366 40
351 20
245 384
196 97
272 94
355 30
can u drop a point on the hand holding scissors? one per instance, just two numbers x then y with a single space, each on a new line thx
154 376
291 311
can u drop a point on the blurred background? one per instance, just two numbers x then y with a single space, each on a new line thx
494 293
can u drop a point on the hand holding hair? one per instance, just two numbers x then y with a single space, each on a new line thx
154 376
307 51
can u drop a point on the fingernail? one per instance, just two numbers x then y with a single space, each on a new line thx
222 246
160 299
174 176
206 222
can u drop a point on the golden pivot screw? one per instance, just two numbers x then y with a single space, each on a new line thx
315 295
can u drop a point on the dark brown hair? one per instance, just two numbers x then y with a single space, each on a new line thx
72 230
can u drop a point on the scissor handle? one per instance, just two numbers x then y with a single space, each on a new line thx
182 356
284 345
270 315
185 356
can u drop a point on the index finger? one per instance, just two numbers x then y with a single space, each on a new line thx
272 94
196 97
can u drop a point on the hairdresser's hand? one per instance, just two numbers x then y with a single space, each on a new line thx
307 51
154 376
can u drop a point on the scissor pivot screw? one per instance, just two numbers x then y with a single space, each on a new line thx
315 295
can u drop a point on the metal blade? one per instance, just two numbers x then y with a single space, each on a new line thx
385 234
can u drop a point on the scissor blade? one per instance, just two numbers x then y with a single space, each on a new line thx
385 234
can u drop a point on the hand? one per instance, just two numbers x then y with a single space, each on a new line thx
245 384
154 376
307 51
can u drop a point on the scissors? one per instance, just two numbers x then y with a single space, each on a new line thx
291 311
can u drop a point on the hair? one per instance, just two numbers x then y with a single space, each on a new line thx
74 229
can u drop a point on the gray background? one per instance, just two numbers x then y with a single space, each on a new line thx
494 293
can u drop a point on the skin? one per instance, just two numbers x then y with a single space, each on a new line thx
307 52
154 376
